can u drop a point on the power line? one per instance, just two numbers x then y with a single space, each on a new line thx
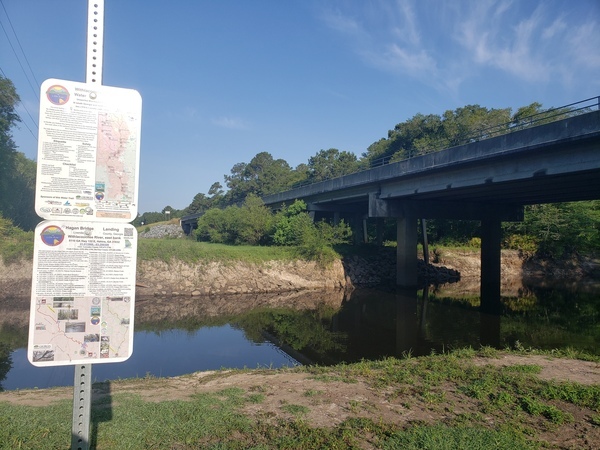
35 91
26 110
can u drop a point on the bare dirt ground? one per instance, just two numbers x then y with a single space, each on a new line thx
329 403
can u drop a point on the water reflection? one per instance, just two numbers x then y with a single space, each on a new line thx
181 335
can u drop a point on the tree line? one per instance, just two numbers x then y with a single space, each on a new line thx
554 228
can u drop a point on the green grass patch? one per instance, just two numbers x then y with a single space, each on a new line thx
296 410
441 437
191 252
16 244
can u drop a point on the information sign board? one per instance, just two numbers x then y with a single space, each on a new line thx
88 152
82 294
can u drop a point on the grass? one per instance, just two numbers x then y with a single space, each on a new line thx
509 406
16 244
190 251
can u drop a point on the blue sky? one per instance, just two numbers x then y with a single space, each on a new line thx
224 80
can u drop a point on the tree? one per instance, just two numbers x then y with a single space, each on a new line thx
8 119
332 163
263 175
216 194
293 226
247 224
17 172
560 229
423 134
200 203
290 224
255 222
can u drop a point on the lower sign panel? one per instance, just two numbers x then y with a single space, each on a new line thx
82 294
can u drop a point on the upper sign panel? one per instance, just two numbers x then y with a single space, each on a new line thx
88 152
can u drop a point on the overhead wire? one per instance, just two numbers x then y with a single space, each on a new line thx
26 110
35 91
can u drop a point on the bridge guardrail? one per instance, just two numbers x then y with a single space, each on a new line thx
521 123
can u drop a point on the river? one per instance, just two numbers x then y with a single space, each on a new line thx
176 336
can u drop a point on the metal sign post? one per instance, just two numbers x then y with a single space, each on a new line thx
85 251
82 382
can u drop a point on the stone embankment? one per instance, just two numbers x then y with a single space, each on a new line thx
169 230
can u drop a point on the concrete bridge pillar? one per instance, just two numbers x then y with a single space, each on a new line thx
380 231
406 253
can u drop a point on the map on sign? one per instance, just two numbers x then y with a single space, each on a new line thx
115 160
83 291
88 152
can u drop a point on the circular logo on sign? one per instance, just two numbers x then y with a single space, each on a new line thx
58 95
52 235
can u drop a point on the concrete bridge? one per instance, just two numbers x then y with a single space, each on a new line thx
489 181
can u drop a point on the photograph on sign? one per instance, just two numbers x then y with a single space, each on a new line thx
88 152
82 293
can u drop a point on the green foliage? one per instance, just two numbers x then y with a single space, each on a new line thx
247 224
263 175
331 163
293 226
560 229
316 242
202 202
452 232
526 244
213 226
290 223
16 244
253 224
475 242
423 134
17 172
254 221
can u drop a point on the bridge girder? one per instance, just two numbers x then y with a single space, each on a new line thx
439 209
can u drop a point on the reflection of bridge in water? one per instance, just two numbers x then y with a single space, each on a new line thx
365 323
327 327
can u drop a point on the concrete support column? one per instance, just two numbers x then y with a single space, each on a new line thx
406 253
357 229
336 218
491 236
380 231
